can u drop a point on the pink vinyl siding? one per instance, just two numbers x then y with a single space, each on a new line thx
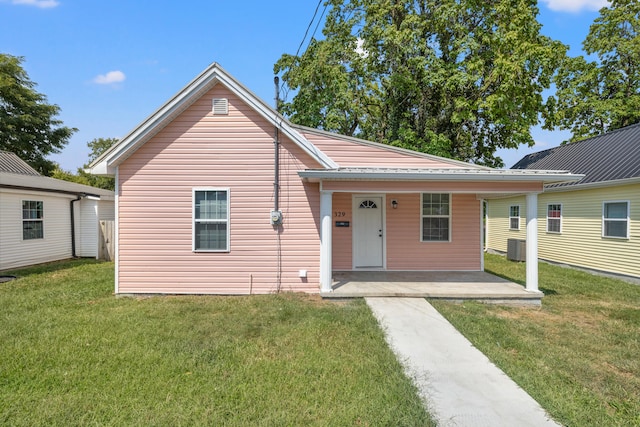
342 236
404 249
200 150
346 152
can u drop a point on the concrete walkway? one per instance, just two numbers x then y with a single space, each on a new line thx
459 385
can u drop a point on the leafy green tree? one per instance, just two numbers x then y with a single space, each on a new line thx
458 78
97 146
593 97
28 126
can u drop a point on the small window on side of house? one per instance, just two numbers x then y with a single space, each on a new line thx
514 217
436 217
211 220
554 218
32 219
615 219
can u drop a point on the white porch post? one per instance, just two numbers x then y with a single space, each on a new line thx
325 241
532 243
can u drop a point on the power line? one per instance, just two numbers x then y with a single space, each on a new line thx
309 26
313 18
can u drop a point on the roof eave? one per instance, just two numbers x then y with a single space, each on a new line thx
598 184
546 178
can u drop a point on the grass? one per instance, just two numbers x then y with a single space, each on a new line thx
578 355
73 354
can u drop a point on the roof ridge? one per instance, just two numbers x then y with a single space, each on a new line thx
564 145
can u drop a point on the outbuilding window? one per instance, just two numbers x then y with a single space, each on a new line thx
32 219
514 217
615 219
436 217
554 218
210 220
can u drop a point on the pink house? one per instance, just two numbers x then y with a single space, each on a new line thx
219 194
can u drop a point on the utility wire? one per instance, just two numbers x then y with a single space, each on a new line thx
309 26
313 18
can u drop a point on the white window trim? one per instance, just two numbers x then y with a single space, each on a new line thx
193 219
32 220
616 219
512 217
435 216
560 219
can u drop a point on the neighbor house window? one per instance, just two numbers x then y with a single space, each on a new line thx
32 220
554 218
211 220
514 217
615 219
436 217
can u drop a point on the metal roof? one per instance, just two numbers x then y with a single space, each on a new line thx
10 162
612 156
44 183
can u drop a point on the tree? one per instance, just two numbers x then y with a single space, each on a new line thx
458 78
97 146
593 97
28 126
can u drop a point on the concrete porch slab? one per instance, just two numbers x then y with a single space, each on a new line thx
448 285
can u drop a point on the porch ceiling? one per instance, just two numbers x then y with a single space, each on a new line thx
447 285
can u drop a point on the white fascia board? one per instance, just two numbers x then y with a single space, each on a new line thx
101 169
152 124
179 102
471 175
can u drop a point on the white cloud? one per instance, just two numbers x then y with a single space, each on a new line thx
110 78
42 4
575 5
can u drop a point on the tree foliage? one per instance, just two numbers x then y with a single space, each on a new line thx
457 78
28 126
593 97
97 146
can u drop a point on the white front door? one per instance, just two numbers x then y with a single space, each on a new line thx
368 234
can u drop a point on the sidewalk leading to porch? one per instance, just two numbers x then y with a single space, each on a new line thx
449 285
459 385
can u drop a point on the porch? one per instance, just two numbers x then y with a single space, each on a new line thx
447 285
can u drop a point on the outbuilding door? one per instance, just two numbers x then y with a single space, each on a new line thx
368 235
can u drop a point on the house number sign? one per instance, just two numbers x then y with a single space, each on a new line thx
339 213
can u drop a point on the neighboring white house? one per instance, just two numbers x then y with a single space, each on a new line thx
44 219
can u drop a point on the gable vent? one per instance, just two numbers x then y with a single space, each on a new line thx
220 106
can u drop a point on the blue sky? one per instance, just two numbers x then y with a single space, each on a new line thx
110 64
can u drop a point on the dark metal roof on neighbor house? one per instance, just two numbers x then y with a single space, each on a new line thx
10 162
612 156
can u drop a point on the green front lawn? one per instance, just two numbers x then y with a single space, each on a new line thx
578 356
73 354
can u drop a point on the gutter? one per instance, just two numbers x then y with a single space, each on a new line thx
47 190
